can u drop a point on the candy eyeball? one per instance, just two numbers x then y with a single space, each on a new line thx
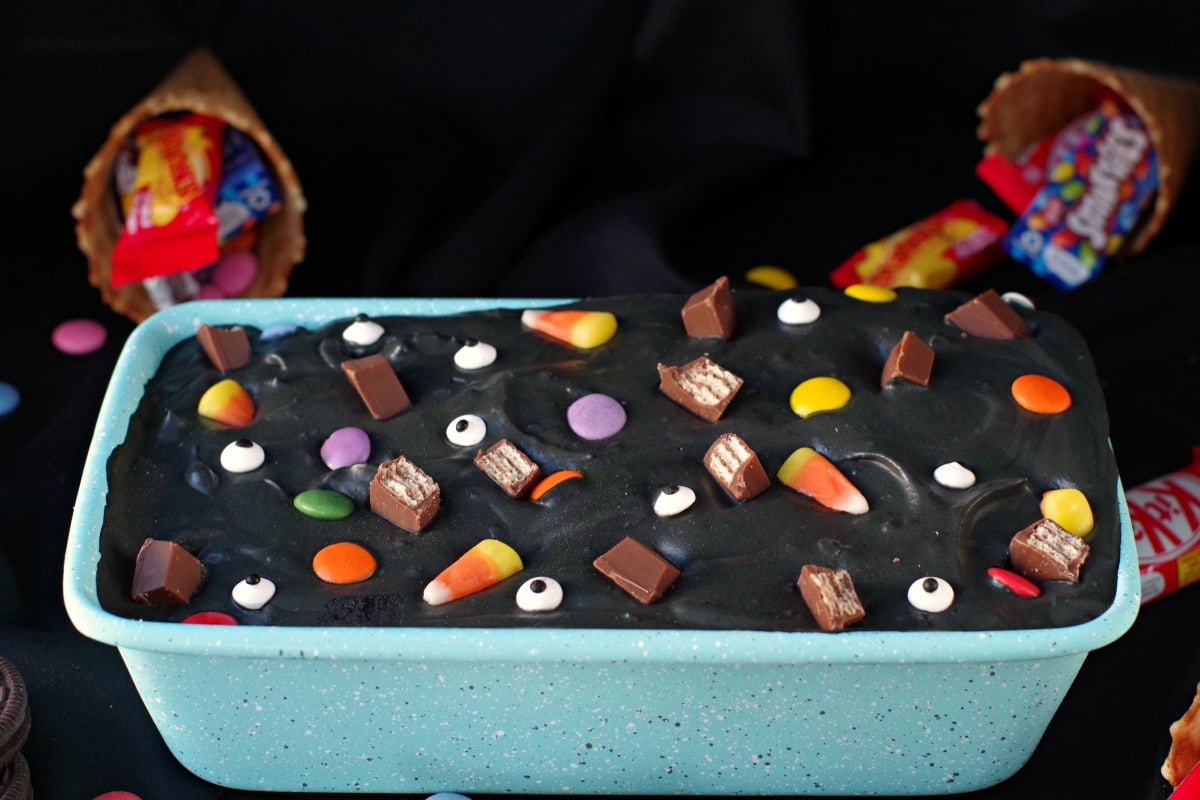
242 456
253 592
362 332
466 430
931 594
798 311
539 594
672 500
475 355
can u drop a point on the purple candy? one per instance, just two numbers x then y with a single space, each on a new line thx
344 447
78 337
234 273
595 416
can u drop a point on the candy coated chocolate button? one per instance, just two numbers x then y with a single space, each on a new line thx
870 293
475 355
346 446
278 331
79 337
466 430
10 398
819 394
343 562
1040 394
209 618
550 481
117 796
1070 509
539 594
954 475
323 504
595 416
234 273
242 456
1022 587
771 277
798 311
931 594
672 500
253 592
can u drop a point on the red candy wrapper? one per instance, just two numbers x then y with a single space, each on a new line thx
1165 513
170 223
938 251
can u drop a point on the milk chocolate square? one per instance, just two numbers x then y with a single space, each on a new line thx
702 386
830 596
710 311
402 493
165 573
377 384
910 360
989 317
637 569
227 348
1045 551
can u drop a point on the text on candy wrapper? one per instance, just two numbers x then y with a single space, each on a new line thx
1165 515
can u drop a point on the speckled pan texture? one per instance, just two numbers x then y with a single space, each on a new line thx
568 710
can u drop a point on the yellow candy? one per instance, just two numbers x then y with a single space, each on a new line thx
771 277
870 293
819 394
1070 509
227 402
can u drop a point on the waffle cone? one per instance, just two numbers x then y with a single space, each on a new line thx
1185 744
200 84
1043 95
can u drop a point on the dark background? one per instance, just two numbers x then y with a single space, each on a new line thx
568 149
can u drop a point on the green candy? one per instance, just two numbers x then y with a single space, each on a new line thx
323 504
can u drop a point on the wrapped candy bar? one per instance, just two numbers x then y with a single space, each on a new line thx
246 195
1165 514
1091 201
938 251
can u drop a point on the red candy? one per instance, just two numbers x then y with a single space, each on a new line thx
209 618
1022 587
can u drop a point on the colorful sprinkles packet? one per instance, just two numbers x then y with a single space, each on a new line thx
1094 193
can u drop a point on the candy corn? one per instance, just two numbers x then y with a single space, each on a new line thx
584 329
227 402
484 565
812 474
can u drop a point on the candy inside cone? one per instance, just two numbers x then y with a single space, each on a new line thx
486 564
227 402
585 329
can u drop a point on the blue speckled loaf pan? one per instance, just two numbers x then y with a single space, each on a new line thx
422 710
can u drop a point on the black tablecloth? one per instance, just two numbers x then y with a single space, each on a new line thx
566 149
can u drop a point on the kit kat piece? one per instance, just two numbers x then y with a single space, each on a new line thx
735 466
637 569
227 348
830 596
702 386
377 384
989 317
710 311
165 574
403 494
509 467
1045 551
910 360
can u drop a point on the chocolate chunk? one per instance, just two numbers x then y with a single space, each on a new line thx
509 467
989 317
403 494
736 467
1045 551
910 360
377 384
165 574
830 596
637 569
701 386
710 311
227 348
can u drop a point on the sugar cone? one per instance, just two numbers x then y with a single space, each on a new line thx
1185 744
1043 95
200 84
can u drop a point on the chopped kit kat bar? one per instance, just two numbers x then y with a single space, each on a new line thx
402 493
830 596
702 386
509 467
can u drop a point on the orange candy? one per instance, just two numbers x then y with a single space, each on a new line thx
227 402
343 562
486 564
550 481
1040 394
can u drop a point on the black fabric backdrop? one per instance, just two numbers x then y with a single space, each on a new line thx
567 149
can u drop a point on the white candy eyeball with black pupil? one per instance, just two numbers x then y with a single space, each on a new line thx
539 594
242 456
672 500
798 311
475 355
931 594
362 332
466 430
254 592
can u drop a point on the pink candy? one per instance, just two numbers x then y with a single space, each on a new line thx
234 273
79 337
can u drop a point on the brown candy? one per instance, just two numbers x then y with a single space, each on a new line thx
710 311
910 360
227 348
637 569
509 467
830 596
701 386
1045 551
403 494
377 384
736 467
165 573
989 317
